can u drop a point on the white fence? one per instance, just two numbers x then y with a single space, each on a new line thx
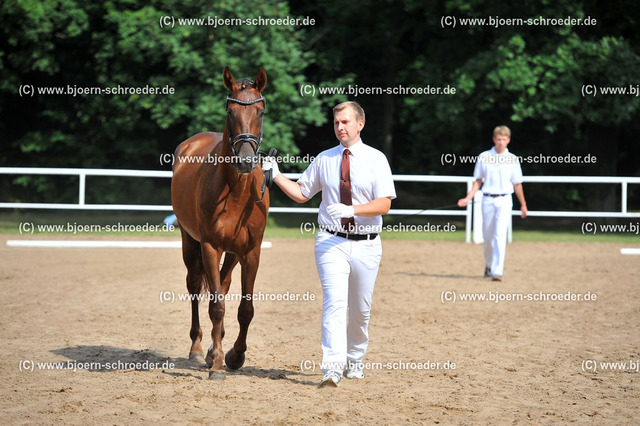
473 217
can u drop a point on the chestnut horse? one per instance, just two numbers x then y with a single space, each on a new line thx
218 206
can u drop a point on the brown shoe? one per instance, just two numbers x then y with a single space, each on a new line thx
496 278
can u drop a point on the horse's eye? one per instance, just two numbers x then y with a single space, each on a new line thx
229 113
261 113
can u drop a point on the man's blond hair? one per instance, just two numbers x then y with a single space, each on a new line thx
502 130
357 109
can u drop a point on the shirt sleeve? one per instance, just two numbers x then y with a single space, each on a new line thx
478 170
309 182
516 175
383 185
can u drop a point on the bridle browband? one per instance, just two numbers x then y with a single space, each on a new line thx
253 140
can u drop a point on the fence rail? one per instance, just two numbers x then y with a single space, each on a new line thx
472 215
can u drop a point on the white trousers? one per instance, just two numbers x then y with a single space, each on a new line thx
496 213
348 271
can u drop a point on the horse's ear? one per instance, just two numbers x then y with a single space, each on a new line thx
261 79
228 79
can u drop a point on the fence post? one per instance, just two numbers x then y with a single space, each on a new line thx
469 216
83 182
477 218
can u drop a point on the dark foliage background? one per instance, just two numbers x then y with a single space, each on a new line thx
525 76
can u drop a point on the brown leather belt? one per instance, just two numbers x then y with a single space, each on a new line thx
354 237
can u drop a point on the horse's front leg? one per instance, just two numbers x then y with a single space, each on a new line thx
235 357
211 262
230 262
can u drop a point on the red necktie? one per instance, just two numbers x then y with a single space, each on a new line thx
348 224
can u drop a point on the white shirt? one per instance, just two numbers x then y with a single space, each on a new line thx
499 172
370 179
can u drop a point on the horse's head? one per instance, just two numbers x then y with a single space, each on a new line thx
245 108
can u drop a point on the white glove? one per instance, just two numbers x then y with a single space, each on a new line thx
340 211
270 163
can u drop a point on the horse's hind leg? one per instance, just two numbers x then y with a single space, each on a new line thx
192 257
235 357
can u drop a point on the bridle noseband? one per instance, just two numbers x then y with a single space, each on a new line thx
253 140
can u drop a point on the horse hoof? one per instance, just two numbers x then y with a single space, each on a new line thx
196 358
234 360
217 376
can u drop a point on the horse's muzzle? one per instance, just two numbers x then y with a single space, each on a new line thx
246 164
245 148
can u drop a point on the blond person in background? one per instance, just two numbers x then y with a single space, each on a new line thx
499 175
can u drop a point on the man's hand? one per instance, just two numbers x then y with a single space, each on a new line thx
340 211
462 202
270 163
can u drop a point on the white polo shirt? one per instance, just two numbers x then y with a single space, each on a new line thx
370 179
499 172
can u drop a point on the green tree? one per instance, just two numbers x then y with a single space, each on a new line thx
122 43
531 78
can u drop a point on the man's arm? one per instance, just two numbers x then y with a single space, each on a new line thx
462 202
377 207
520 194
290 188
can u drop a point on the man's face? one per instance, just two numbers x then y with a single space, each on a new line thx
501 142
346 127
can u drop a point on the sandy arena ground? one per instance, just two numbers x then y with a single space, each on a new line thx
527 362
